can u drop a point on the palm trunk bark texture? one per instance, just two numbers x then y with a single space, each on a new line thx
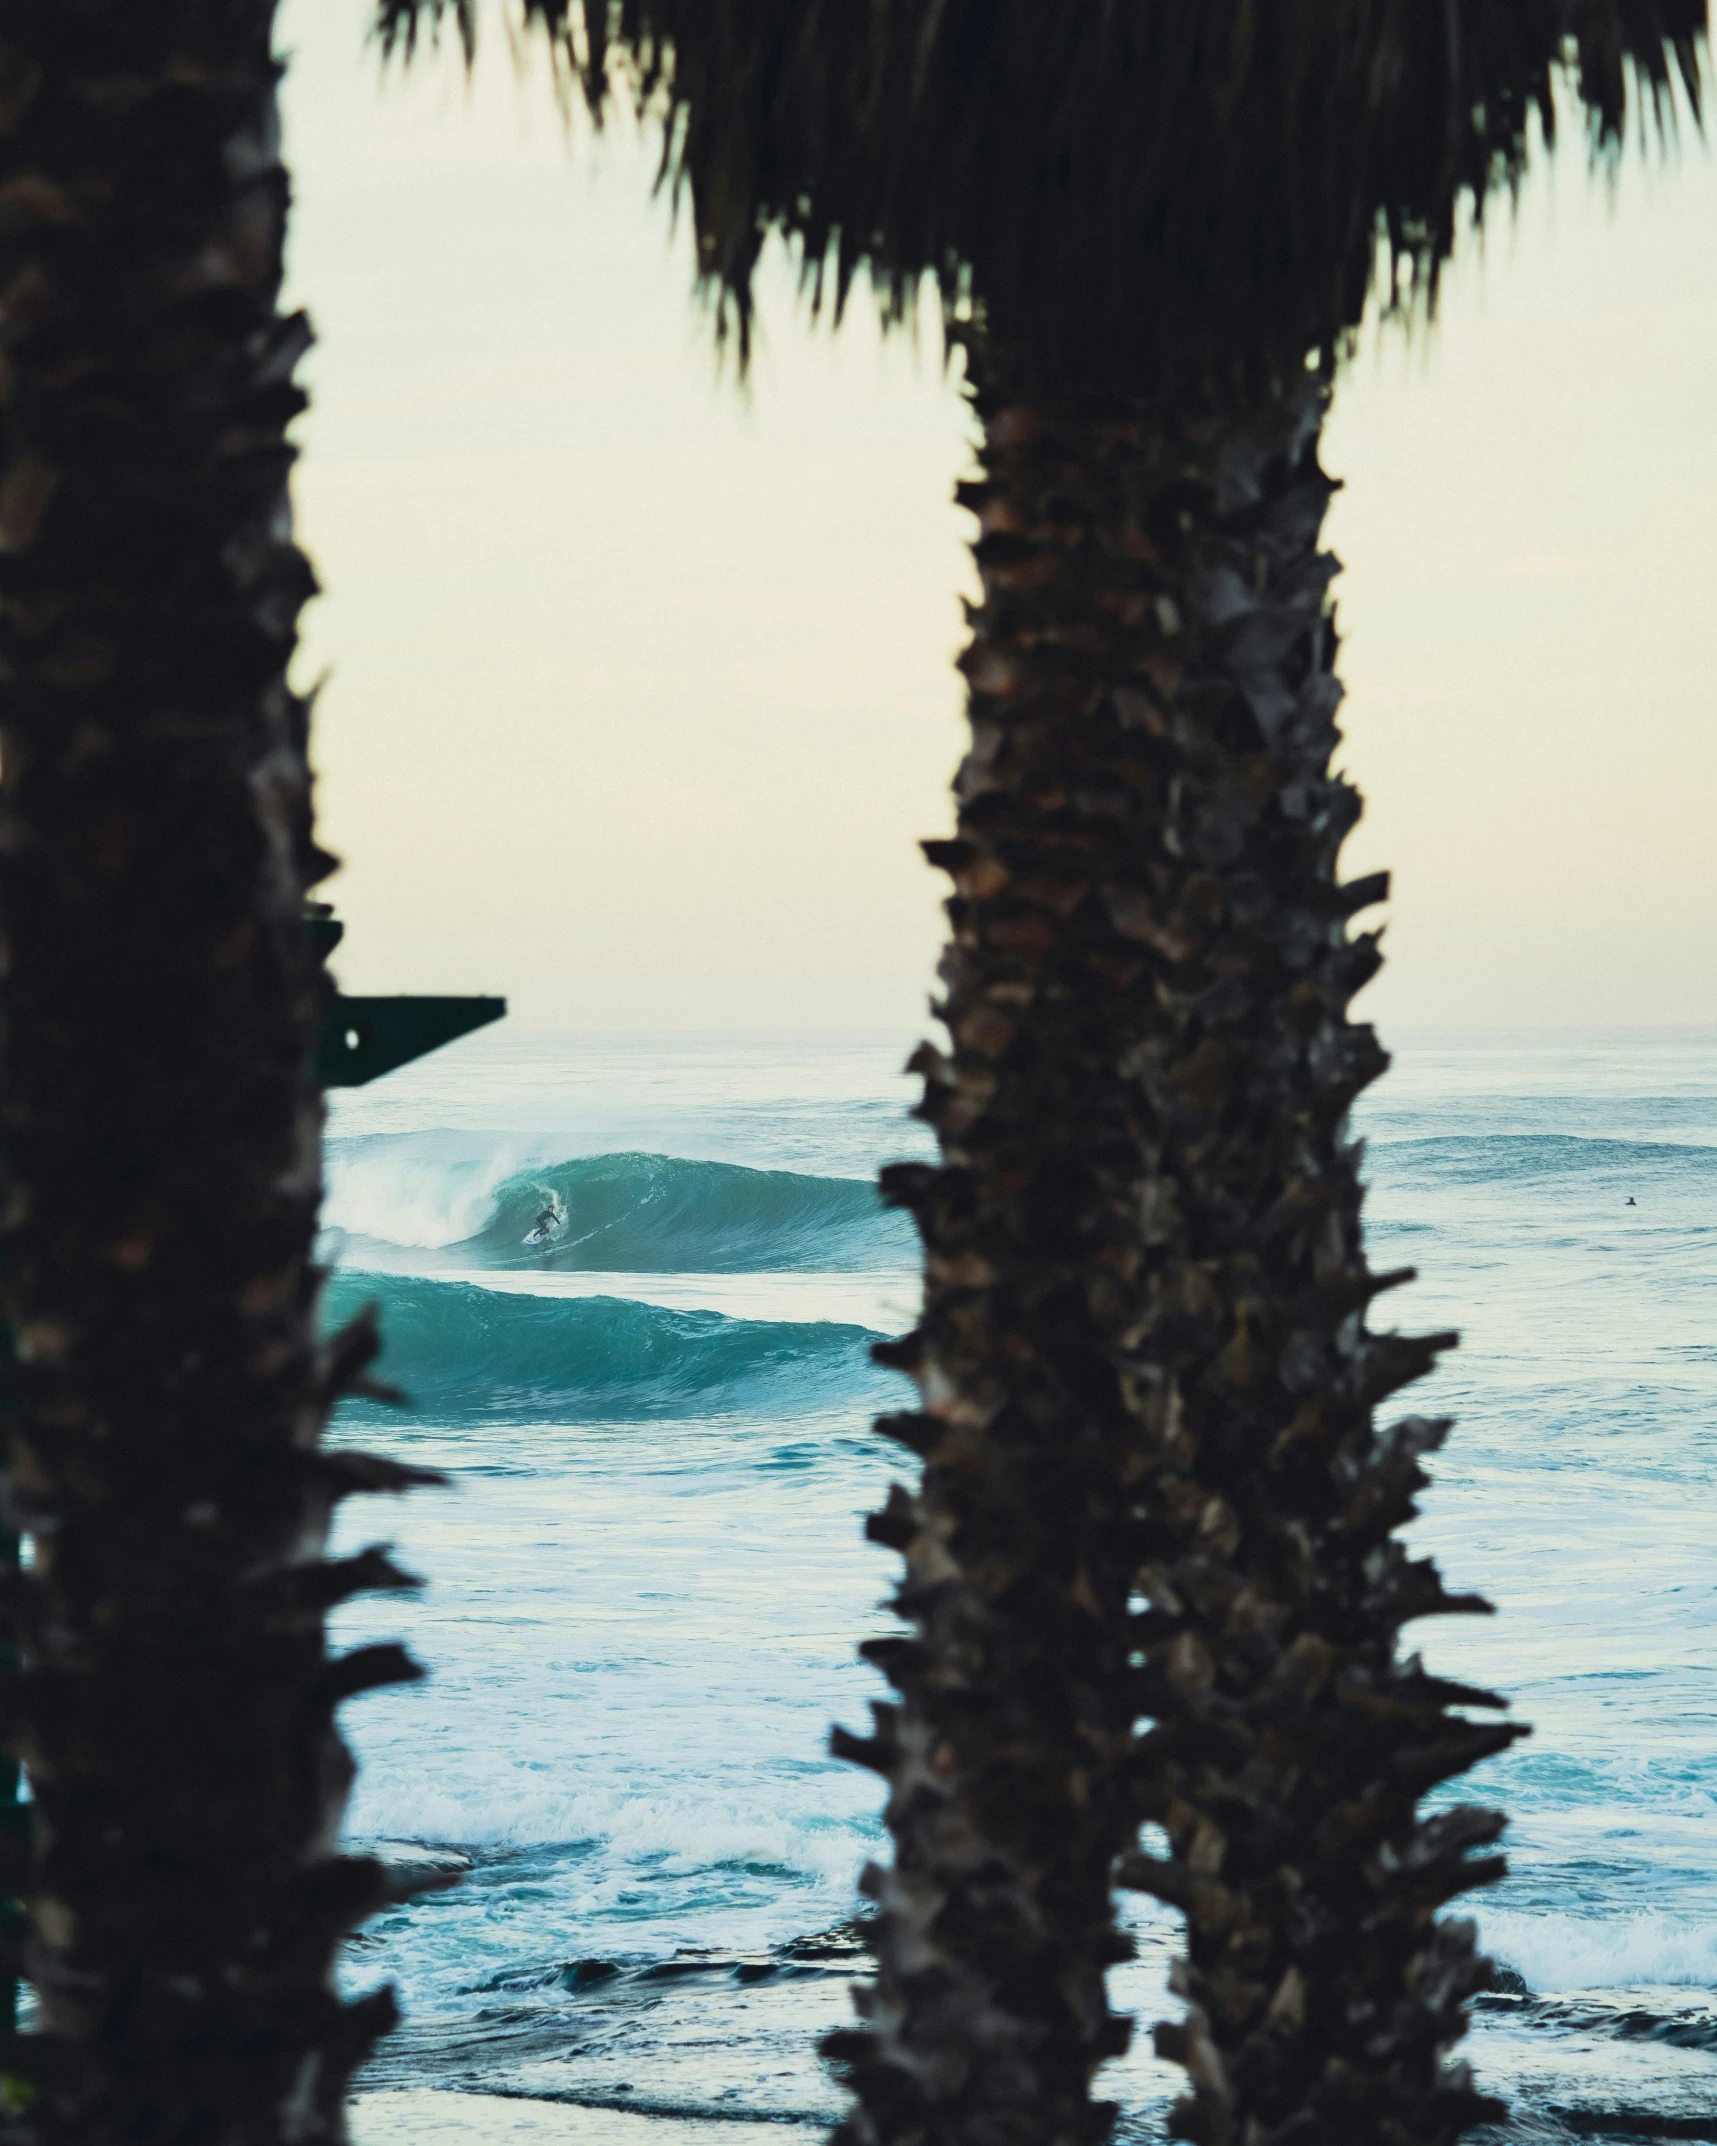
159 1123
1151 1573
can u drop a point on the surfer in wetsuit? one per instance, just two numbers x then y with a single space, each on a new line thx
1632 1202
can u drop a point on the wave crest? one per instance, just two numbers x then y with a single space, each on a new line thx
464 1353
626 1213
1505 1158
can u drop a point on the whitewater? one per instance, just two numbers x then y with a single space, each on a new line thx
629 1288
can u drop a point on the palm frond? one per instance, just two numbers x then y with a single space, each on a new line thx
1126 188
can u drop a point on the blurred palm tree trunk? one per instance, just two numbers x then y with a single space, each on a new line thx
1152 1483
159 1124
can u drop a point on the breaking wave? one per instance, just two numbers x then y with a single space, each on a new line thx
1552 1952
463 1353
632 1213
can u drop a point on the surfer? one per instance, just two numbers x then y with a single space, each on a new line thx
544 1225
1632 1202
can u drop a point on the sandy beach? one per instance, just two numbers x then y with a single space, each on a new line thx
420 2116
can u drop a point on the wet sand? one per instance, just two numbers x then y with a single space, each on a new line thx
427 2116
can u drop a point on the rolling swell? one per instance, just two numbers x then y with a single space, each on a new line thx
654 1214
1505 1158
464 1354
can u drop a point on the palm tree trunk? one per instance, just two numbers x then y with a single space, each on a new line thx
1152 1483
159 1122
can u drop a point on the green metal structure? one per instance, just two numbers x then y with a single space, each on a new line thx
362 1038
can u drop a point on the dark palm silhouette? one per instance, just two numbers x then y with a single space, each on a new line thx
1152 1487
1152 1568
159 1120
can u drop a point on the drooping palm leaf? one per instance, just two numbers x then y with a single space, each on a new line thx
1129 190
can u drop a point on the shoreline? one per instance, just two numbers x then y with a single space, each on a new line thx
440 2116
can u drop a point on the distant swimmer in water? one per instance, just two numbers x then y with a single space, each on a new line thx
1632 1202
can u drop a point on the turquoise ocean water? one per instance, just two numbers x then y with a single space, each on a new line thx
630 1288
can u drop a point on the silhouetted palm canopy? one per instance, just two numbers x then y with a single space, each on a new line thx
1128 189
1153 1573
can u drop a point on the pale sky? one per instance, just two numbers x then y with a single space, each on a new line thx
639 689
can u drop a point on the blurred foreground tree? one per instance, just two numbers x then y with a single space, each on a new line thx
159 1121
1152 1567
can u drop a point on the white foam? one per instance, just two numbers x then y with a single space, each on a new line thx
403 1192
808 1826
422 2116
885 1303
1556 1954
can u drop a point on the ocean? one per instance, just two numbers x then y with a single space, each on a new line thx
630 1286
